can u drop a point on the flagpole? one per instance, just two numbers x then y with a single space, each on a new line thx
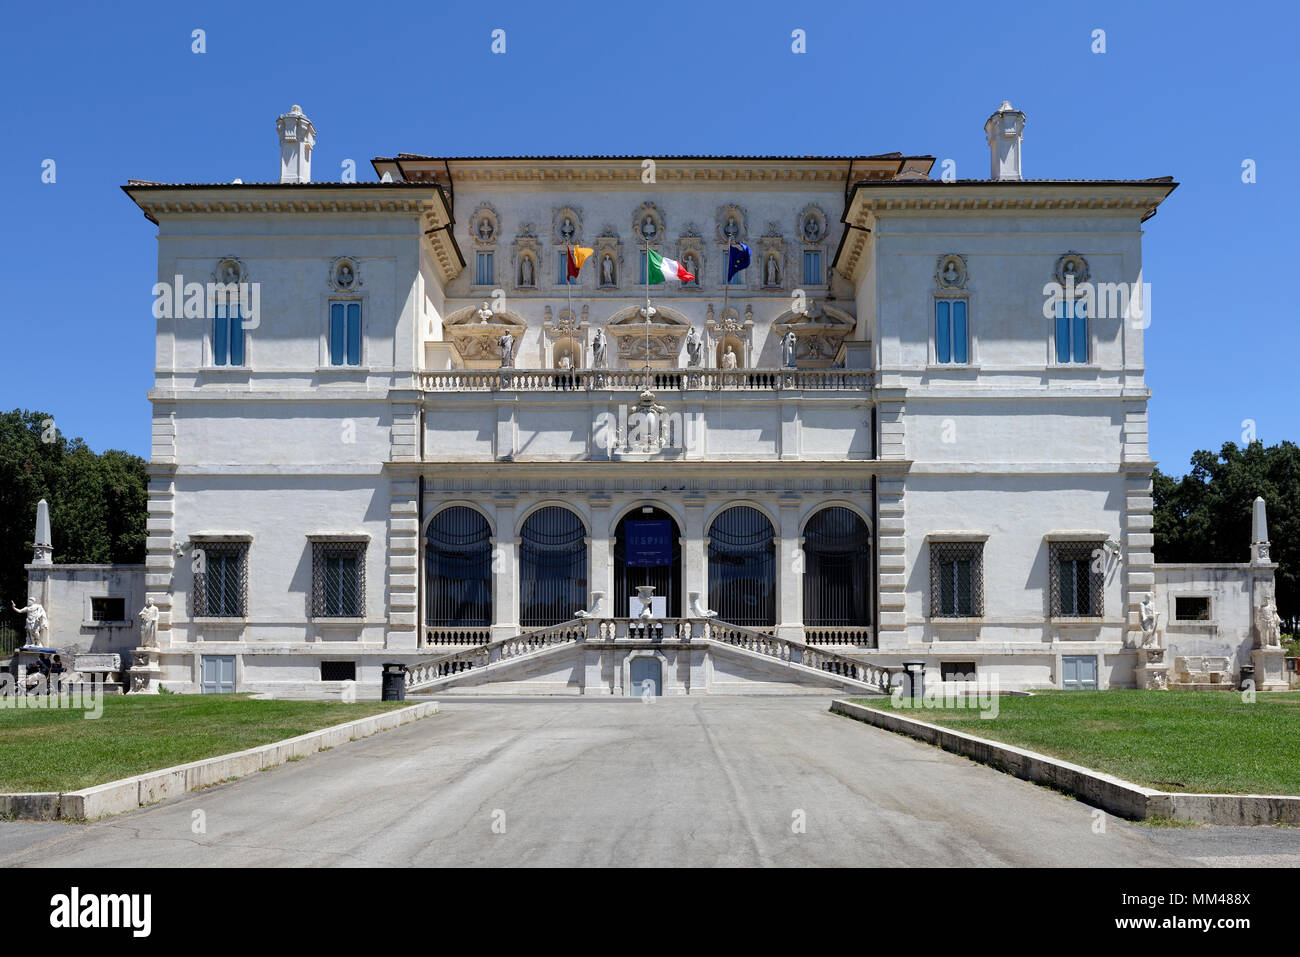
568 286
726 291
647 315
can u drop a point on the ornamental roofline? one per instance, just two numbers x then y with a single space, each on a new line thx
670 169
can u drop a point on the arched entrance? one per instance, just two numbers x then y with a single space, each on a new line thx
742 567
647 551
552 567
458 569
837 569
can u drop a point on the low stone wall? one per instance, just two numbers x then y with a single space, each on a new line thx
127 794
1119 797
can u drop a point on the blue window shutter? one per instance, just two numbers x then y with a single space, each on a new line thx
942 332
237 338
354 333
959 331
1062 332
1080 331
220 340
336 333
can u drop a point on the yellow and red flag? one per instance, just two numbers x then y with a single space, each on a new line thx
577 256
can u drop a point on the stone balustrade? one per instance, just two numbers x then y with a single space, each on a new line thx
856 635
681 630
439 635
632 380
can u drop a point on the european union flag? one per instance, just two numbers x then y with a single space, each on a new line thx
737 259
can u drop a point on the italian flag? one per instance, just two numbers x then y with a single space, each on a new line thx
661 269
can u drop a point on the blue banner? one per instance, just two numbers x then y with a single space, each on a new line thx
649 544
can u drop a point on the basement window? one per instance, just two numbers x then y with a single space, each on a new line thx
1192 608
957 670
338 671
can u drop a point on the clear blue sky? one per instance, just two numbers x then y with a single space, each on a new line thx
112 92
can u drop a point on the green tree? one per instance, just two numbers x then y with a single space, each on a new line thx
98 503
1205 516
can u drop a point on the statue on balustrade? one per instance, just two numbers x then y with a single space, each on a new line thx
598 350
507 344
694 349
788 348
729 359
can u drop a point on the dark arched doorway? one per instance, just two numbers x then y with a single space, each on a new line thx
552 567
742 567
837 569
647 551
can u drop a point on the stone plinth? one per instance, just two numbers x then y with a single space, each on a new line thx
1152 671
1270 669
145 671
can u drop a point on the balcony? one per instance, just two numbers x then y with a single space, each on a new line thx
633 380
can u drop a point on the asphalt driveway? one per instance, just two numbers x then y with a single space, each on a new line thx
680 782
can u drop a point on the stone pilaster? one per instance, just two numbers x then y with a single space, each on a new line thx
600 577
160 547
1138 555
403 564
694 549
891 546
789 571
505 568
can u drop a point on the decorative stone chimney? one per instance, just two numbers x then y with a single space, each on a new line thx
42 547
297 137
1004 130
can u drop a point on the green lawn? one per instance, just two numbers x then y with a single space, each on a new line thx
1169 740
60 750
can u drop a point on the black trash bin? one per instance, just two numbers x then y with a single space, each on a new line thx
914 679
394 684
1247 682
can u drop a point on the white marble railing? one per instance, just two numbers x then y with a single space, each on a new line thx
856 635
631 380
502 649
800 654
438 635
655 630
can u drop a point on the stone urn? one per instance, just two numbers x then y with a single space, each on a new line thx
646 593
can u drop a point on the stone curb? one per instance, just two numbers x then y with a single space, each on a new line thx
1119 797
115 797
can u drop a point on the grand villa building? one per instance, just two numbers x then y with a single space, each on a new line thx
911 433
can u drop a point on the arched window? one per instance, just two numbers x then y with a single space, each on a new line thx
837 569
742 567
458 570
648 561
552 567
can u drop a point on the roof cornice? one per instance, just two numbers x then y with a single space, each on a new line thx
670 170
427 202
870 201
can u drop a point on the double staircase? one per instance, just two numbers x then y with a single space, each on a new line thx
597 648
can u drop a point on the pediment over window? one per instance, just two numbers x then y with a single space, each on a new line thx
819 332
476 330
667 332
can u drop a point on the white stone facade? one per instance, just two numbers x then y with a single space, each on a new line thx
1010 451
